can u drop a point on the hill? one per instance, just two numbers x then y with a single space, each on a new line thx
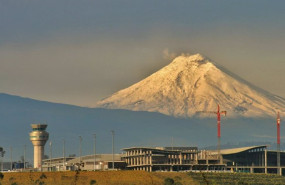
131 128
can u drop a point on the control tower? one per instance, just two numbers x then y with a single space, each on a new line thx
38 137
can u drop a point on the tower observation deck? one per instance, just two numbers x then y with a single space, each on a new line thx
38 137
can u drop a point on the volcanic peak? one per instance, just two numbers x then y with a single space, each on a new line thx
190 59
193 83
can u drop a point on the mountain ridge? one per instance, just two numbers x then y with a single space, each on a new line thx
132 128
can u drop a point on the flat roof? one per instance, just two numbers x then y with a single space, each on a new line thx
239 150
58 158
150 148
162 148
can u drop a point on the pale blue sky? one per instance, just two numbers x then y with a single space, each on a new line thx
78 52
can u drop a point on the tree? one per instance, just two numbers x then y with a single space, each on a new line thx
2 152
22 159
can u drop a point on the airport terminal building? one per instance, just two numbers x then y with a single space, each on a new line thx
254 159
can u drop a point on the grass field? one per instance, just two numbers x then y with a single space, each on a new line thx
136 178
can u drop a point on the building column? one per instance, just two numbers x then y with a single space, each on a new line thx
265 161
196 158
150 157
147 159
207 160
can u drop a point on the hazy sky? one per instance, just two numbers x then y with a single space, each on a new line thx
78 52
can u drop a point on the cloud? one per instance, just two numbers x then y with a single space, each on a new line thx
168 55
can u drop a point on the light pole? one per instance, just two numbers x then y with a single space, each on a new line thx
80 150
25 157
50 151
11 158
63 154
113 164
94 147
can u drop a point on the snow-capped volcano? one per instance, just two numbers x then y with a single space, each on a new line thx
193 83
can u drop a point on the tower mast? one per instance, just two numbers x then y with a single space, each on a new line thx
218 113
278 143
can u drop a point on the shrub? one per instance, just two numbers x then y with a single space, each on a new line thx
92 182
11 180
168 181
242 183
40 181
43 176
177 183
177 178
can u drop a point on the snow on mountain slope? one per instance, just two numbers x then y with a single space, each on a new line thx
194 83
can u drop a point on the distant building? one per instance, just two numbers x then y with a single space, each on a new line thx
161 158
103 162
8 166
254 159
56 164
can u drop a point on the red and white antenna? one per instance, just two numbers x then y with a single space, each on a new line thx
218 113
278 143
278 128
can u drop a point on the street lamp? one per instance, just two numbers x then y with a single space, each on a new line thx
113 165
94 147
11 158
50 151
63 152
25 157
80 150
